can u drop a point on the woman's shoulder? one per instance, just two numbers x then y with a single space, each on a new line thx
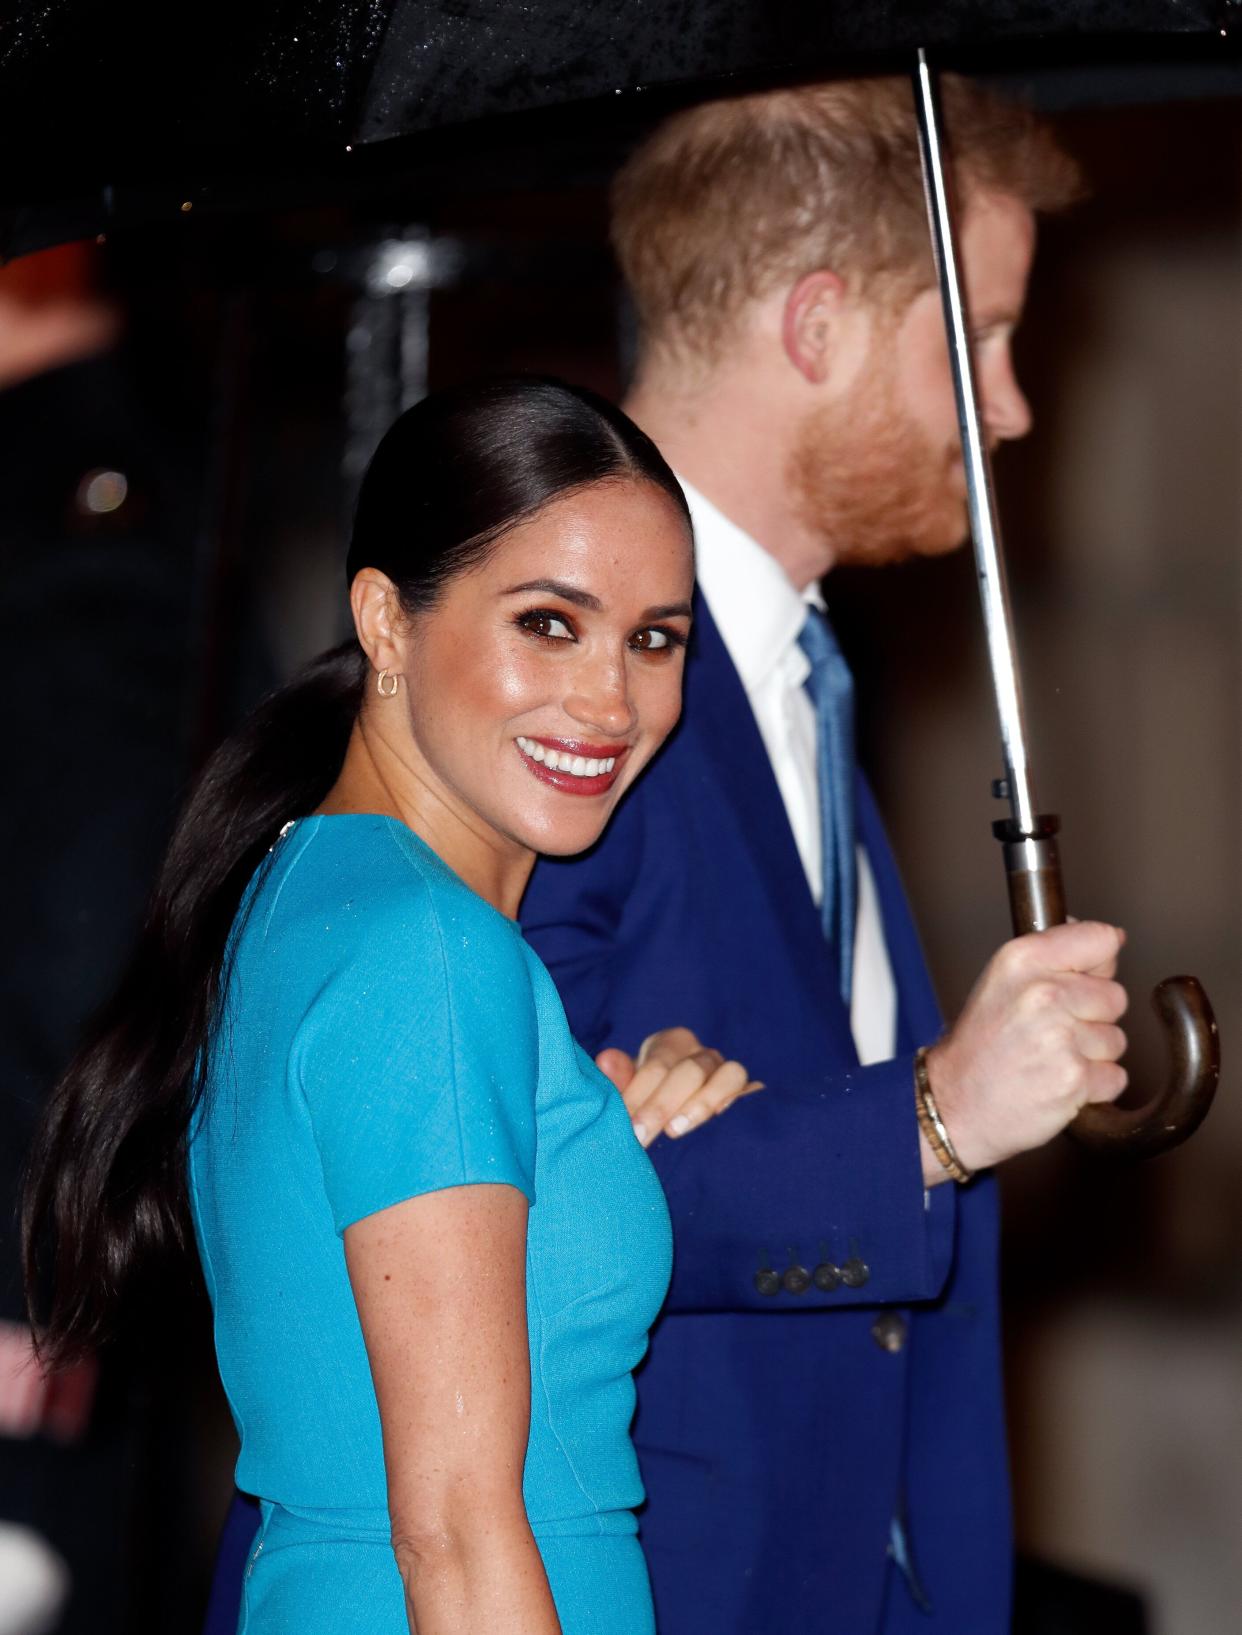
413 1029
367 890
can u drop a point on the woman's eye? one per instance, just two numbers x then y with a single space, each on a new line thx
549 625
655 641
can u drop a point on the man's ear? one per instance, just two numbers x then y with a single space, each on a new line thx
809 323
378 620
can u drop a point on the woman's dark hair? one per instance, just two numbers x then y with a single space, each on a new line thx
106 1193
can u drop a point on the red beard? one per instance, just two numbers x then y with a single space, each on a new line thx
870 484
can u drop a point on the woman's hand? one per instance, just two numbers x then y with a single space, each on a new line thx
675 1083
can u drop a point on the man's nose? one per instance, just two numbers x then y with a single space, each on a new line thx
1005 408
600 697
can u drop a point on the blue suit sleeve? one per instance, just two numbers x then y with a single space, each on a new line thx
826 1169
827 1175
418 1059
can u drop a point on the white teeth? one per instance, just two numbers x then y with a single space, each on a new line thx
579 766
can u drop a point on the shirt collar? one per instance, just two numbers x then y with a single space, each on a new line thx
756 606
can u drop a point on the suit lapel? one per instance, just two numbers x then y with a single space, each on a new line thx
719 717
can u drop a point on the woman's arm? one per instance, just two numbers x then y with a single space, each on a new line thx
440 1284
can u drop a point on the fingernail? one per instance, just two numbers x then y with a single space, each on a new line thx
679 1125
640 1130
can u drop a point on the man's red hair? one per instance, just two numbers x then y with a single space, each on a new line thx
731 199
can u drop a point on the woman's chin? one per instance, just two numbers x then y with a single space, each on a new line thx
555 852
566 844
565 834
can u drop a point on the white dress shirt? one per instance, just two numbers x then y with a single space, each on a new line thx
760 614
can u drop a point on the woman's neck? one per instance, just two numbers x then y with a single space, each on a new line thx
374 779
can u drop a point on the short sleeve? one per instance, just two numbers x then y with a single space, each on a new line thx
418 1058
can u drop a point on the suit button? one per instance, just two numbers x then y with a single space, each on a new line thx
855 1272
889 1331
827 1276
767 1281
797 1279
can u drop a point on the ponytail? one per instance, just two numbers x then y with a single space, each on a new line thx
106 1187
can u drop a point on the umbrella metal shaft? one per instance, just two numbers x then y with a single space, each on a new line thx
984 527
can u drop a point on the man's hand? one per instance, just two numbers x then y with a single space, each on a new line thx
675 1083
1037 1040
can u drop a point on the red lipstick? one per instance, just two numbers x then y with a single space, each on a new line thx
552 760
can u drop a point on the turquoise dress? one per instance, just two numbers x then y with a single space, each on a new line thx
388 1033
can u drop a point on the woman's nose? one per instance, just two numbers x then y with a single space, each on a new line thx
600 698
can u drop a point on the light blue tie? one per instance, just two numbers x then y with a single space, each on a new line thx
831 687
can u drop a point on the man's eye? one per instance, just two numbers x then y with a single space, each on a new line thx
549 625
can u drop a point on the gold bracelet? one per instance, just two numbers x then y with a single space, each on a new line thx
931 1123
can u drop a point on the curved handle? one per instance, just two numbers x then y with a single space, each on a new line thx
1194 1044
1037 901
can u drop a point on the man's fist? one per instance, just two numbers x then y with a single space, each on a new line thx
1038 1038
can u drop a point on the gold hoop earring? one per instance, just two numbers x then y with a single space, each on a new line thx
381 689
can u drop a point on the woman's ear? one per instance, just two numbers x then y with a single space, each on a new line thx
378 619
809 324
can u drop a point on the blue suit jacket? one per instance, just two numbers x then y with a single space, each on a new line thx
778 1436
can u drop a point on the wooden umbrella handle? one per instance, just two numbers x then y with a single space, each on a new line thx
1037 901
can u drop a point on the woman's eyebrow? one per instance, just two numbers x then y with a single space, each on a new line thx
558 587
583 598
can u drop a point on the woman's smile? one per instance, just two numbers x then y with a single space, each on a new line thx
572 766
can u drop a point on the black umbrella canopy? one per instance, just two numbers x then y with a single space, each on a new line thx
481 60
109 112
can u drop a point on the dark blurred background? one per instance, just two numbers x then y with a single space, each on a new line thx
173 515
